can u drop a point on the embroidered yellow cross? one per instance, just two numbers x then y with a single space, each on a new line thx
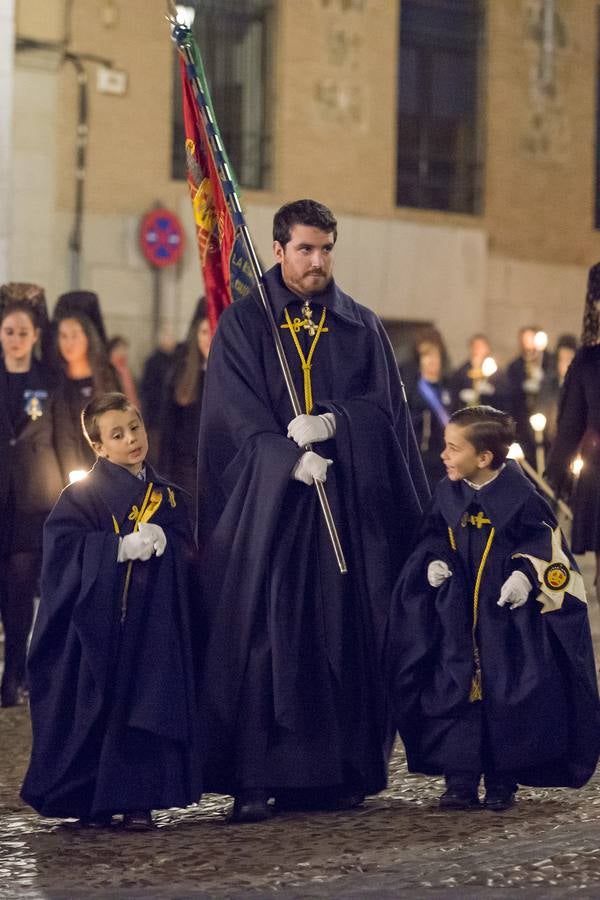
479 520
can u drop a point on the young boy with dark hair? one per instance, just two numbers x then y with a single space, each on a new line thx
111 666
492 666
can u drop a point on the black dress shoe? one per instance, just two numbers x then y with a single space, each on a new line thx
138 820
498 799
459 798
102 820
251 806
317 800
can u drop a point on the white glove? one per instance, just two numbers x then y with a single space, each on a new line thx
311 467
437 572
515 590
156 535
311 429
142 544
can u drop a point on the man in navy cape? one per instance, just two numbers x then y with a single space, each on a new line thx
112 657
292 689
480 688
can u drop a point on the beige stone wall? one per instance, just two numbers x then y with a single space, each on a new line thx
540 160
7 29
333 109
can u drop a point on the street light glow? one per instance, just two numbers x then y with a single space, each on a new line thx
538 422
488 367
515 451
577 465
77 475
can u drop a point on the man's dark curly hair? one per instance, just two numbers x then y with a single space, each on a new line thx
302 212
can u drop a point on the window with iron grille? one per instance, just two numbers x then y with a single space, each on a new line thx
233 37
440 108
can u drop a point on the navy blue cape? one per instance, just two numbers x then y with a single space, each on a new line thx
113 702
540 712
295 651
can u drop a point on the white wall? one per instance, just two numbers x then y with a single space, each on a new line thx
35 253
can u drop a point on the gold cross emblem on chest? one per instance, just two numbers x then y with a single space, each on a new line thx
479 520
307 322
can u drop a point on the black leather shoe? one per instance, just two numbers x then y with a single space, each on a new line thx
102 820
317 800
251 806
138 820
457 798
498 799
344 801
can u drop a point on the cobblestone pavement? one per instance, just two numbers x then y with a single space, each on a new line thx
398 844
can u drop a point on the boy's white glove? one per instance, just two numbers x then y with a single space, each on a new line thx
156 534
437 572
140 545
311 467
311 429
515 590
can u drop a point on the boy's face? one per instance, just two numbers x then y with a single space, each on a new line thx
123 439
461 458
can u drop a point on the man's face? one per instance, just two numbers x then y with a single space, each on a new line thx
479 350
306 260
123 439
527 339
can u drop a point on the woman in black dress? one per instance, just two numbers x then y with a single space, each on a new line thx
578 430
30 478
83 370
180 418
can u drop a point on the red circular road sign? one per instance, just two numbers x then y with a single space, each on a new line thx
161 237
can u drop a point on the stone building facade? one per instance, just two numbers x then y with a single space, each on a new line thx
332 96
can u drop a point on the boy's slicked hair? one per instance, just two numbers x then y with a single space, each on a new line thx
302 212
487 428
97 407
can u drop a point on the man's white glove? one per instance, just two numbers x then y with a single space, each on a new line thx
311 429
140 545
515 590
311 467
437 572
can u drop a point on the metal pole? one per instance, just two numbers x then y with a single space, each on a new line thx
156 301
234 204
545 487
540 456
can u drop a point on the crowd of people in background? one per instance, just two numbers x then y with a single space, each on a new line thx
52 366
529 384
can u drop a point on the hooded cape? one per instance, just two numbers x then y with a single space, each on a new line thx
111 663
268 568
538 721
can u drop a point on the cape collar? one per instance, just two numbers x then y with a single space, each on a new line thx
119 488
336 301
500 499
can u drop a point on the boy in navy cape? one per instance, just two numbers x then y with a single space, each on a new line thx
492 665
111 663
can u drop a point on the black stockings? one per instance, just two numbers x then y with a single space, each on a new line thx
19 583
